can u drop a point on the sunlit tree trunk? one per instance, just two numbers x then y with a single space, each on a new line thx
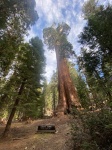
8 125
54 103
62 98
67 92
56 38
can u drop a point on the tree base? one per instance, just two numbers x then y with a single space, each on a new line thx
59 114
6 135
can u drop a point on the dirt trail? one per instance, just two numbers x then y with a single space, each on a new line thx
23 136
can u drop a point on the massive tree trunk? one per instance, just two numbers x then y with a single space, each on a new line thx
67 93
56 38
8 125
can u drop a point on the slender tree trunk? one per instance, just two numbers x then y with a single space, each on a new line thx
8 125
54 103
67 93
109 96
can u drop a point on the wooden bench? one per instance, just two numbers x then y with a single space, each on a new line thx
46 129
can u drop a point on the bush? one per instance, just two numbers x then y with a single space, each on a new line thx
100 127
93 130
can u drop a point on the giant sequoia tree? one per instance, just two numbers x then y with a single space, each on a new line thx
56 38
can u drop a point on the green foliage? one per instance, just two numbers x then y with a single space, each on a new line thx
81 86
23 9
83 92
90 8
16 18
57 36
31 67
29 64
95 61
93 130
50 94
100 128
96 34
54 90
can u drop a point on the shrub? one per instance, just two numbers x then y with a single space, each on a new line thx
93 130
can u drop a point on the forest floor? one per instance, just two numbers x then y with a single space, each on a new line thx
24 136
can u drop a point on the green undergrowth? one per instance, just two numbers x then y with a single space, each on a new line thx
92 130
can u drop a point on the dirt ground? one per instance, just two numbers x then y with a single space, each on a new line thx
25 137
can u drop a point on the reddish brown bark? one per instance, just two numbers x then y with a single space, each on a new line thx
67 92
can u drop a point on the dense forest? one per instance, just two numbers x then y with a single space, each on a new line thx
84 93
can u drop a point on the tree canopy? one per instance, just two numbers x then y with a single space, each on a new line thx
22 10
96 52
15 17
57 35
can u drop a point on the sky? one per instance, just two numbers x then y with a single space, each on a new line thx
68 11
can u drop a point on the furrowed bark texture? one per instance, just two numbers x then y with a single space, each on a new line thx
67 93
